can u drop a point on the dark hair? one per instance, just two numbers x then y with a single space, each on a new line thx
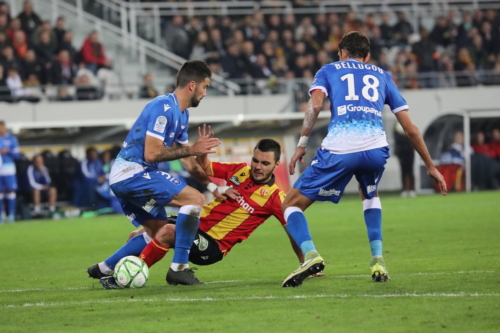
356 44
193 70
266 145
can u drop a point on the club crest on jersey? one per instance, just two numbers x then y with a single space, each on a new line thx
264 192
160 124
235 180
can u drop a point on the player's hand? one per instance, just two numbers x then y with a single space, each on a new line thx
298 156
4 151
232 194
205 132
204 145
438 178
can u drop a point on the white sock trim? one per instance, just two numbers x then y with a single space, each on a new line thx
147 238
192 210
104 268
373 203
178 267
11 195
291 210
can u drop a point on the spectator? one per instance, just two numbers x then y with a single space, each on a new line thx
406 156
63 95
4 41
477 52
227 28
32 66
5 95
62 70
402 30
67 44
386 31
442 33
60 29
200 46
15 84
233 63
177 38
147 89
490 38
29 19
93 55
193 28
306 24
4 23
20 44
14 25
426 57
481 147
5 10
447 75
464 30
45 27
45 49
495 143
85 91
41 185
274 23
88 176
262 70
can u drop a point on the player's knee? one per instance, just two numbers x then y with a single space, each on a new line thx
166 235
198 201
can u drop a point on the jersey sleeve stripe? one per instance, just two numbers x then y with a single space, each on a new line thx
323 89
154 135
401 108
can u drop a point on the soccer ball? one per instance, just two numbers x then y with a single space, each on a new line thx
131 272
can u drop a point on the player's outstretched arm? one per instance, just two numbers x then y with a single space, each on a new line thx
313 108
155 151
203 160
417 141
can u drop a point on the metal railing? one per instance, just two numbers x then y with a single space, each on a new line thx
296 89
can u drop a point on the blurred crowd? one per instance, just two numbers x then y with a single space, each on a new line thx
33 53
296 46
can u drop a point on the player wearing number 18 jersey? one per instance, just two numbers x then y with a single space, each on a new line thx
356 146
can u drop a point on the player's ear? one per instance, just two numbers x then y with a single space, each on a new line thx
192 86
367 57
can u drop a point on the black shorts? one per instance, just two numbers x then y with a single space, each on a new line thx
205 250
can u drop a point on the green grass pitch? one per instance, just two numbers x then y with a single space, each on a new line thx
443 254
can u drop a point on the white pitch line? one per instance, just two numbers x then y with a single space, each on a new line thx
254 280
210 299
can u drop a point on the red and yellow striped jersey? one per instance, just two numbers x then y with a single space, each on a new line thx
229 221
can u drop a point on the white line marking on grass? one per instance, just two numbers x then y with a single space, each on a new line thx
210 299
255 280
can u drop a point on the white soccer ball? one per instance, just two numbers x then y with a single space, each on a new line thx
131 272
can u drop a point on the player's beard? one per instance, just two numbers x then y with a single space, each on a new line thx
263 177
195 102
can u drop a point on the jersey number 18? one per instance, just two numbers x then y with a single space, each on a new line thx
366 91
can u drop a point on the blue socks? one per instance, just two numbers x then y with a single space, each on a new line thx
297 228
11 202
373 219
186 227
133 247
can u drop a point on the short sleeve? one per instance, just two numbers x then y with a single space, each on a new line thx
225 170
393 97
278 200
157 120
320 82
183 136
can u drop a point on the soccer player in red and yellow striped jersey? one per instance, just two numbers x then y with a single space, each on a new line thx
225 223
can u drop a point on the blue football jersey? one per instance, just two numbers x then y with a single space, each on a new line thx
8 167
357 92
161 119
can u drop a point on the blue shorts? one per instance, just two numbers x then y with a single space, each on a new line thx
144 196
328 174
8 183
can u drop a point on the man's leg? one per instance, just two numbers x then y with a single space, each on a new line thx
373 162
293 209
52 199
190 202
36 201
11 202
159 246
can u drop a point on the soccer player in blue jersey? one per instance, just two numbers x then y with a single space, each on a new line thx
9 149
356 146
160 134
